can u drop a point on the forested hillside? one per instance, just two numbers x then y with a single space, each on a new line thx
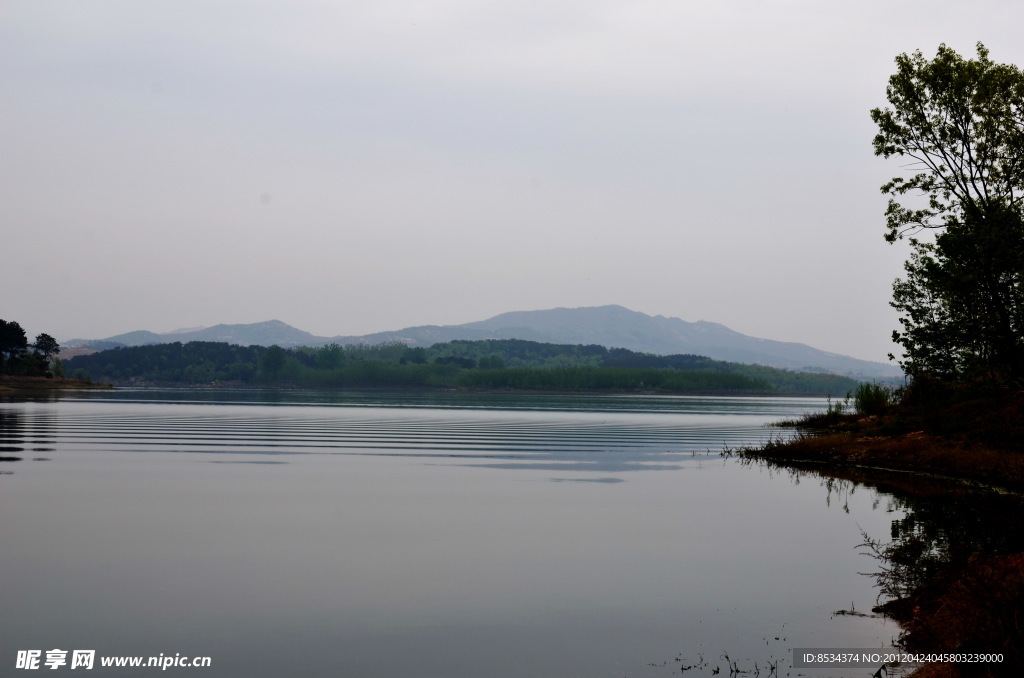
486 364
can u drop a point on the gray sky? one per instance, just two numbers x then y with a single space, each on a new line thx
350 167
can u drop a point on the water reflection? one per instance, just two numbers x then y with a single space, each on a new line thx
952 569
605 439
36 396
433 541
11 436
532 402
941 524
22 432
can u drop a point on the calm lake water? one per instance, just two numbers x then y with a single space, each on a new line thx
311 534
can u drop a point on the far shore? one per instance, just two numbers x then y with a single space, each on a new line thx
280 386
18 384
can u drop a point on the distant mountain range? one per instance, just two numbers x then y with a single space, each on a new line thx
611 326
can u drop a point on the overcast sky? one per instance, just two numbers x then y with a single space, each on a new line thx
351 167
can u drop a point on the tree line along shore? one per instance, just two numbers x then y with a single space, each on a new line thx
507 364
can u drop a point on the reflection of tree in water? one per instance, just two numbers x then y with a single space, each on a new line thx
11 437
953 572
21 433
938 534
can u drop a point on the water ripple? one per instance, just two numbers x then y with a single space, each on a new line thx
598 440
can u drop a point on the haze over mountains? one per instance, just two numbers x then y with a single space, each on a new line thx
611 326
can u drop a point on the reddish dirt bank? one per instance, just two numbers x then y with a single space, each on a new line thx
914 453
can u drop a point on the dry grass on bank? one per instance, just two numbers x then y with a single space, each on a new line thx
916 452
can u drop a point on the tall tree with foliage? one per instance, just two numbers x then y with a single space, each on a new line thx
13 343
960 123
46 346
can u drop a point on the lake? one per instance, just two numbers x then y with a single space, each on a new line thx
303 533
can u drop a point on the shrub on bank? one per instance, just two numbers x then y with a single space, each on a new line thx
873 399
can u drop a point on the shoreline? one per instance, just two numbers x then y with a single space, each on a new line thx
11 385
914 454
244 386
